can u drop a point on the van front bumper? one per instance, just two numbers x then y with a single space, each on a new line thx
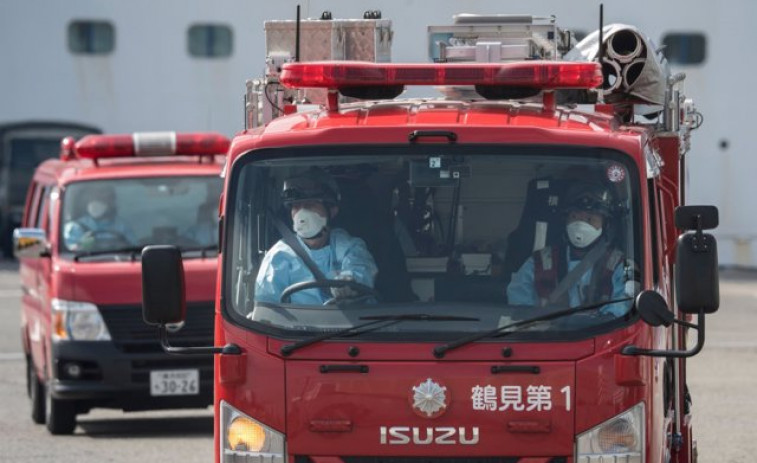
109 377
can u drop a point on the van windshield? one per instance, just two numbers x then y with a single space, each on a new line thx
124 215
320 239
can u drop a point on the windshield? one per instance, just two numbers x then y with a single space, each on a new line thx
497 234
123 215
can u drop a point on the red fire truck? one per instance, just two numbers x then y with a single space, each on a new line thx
506 274
87 217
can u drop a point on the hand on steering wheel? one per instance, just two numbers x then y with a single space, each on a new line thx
89 238
360 290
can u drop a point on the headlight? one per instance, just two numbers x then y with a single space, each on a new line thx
244 439
618 439
78 321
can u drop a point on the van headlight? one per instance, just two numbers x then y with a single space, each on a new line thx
618 439
244 439
77 321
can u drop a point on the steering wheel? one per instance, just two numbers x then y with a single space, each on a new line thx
107 234
364 292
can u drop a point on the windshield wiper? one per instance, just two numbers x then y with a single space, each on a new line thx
374 323
440 350
133 251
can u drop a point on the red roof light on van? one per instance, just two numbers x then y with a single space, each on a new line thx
538 74
146 144
67 148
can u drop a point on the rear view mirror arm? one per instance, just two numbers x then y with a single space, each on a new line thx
699 327
228 349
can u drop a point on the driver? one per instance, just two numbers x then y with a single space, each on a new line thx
313 202
99 224
585 268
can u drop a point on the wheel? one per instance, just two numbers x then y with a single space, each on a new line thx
36 393
60 416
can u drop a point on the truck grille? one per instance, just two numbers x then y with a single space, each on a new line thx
131 334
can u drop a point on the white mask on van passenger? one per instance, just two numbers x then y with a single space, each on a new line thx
582 234
307 223
97 209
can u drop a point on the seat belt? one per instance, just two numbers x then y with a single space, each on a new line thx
578 271
291 240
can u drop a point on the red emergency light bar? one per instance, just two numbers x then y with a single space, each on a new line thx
545 75
147 144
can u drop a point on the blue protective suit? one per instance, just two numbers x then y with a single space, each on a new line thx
74 231
204 234
281 267
522 290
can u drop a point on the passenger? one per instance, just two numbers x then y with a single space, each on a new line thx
205 231
586 268
313 202
100 227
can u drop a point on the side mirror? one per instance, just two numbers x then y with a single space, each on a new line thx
653 309
30 243
696 282
163 299
693 217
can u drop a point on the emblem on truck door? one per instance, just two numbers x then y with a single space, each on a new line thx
430 399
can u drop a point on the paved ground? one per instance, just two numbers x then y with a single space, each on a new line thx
723 379
102 435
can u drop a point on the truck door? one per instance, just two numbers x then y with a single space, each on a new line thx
32 278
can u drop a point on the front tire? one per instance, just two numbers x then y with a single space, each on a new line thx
60 416
36 393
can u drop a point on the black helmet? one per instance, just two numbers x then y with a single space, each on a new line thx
588 196
315 184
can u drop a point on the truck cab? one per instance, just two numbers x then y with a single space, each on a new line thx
88 215
486 279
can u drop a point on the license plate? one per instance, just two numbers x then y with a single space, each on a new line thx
174 382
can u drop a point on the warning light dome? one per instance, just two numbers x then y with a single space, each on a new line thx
145 144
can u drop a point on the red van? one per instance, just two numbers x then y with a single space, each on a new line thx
87 217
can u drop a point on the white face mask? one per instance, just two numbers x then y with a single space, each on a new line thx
97 209
582 234
307 223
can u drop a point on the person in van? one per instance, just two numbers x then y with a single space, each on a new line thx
205 231
99 224
586 268
313 202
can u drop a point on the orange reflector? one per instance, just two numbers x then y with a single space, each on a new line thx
245 434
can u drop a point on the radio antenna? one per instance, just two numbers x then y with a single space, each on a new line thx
297 37
601 32
600 52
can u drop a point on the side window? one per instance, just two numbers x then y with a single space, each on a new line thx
91 37
29 205
41 219
684 48
210 41
33 211
654 230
